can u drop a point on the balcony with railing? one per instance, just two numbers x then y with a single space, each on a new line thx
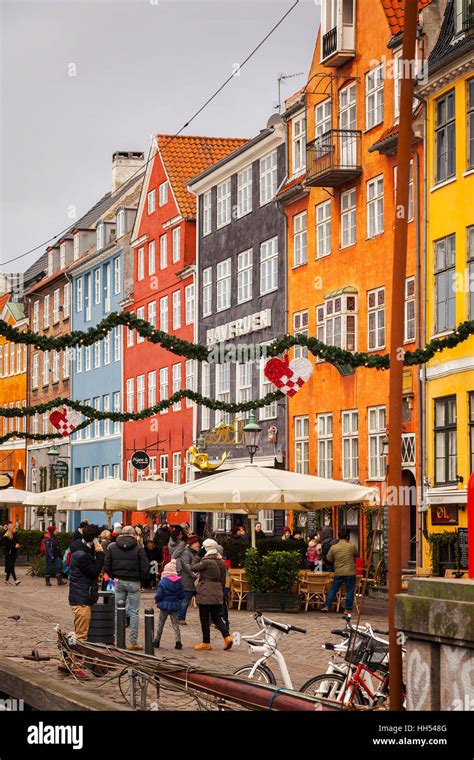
337 32
468 15
334 158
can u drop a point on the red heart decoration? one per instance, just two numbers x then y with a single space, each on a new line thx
61 422
288 377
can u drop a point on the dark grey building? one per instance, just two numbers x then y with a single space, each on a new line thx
241 282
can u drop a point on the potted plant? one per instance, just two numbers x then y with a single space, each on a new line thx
271 578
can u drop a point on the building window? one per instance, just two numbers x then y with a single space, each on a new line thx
298 140
100 236
375 210
117 425
408 449
300 327
164 466
206 213
190 379
336 322
445 137
117 276
117 342
206 291
301 438
300 255
45 368
163 193
470 125
176 244
79 351
206 392
36 316
66 360
376 319
268 177
269 266
140 315
130 335
411 207
88 296
176 309
76 249
97 425
325 451
106 422
244 191
323 229
176 382
66 300
131 395
55 367
97 286
46 310
350 445
244 276
176 467
409 309
223 283
164 314
140 393
445 440
348 218
151 257
116 469
163 251
189 303
120 222
87 361
164 387
322 120
270 411
244 384
97 354
470 267
347 125
152 388
107 287
374 92
377 460
151 199
223 203
223 391
79 294
445 283
34 380
140 263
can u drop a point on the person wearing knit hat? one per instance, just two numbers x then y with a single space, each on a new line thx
184 564
169 596
210 594
52 553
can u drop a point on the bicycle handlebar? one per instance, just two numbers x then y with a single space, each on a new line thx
380 630
295 628
340 632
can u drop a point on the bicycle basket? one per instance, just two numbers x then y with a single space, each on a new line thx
377 653
356 647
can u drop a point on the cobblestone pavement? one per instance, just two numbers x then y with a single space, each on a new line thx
41 608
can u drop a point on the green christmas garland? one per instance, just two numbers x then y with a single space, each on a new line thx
200 352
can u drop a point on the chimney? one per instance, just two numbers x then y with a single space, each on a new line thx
124 164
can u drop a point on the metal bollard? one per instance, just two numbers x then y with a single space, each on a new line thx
121 625
149 630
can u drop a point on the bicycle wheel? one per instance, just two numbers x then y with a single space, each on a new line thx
262 674
330 686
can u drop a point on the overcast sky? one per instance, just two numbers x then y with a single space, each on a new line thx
141 66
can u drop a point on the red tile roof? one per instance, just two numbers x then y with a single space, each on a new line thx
394 10
3 301
291 183
187 156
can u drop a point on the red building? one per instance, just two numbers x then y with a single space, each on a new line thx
164 244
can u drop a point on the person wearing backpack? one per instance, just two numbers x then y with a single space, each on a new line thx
52 553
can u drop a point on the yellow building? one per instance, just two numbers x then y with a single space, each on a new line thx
449 377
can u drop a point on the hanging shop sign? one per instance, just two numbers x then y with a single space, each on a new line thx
6 481
60 469
444 514
140 460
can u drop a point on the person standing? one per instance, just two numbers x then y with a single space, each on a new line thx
154 555
210 594
78 532
10 550
343 555
53 556
327 540
169 597
177 542
184 565
259 534
85 566
127 563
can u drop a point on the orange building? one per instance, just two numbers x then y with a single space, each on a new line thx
12 394
340 206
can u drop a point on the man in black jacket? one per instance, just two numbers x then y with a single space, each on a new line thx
127 563
85 566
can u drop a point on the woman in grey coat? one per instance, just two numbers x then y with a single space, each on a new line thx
211 572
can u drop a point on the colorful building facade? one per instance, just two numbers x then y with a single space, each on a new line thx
163 293
340 205
449 377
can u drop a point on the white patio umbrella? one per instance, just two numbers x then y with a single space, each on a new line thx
141 495
251 488
13 496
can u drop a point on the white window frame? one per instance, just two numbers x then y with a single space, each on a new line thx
376 319
164 386
97 285
348 218
244 276
151 313
222 391
140 393
67 300
268 266
350 444
163 193
117 275
207 213
35 372
325 445
45 368
300 326
224 284
140 315
190 369
176 471
336 321
244 191
107 349
376 425
189 304
375 206
300 241
163 251
151 201
409 330
79 295
223 203
268 177
176 384
164 466
120 222
207 291
164 313
323 229
374 96
141 263
176 301
206 392
117 342
35 316
298 143
151 257
130 394
176 244
117 425
301 443
152 388
46 311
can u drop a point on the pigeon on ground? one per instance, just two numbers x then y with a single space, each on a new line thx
14 617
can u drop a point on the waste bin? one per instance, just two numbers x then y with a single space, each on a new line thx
102 625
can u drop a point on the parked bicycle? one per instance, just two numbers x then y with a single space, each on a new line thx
265 642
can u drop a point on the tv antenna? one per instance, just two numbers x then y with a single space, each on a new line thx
281 79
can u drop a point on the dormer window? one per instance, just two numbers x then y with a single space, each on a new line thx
337 31
120 222
62 255
100 236
76 247
163 190
151 201
50 263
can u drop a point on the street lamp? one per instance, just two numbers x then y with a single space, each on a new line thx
53 451
251 433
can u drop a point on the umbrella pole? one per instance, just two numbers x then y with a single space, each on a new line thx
252 531
109 513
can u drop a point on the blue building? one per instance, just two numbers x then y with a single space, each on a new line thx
101 276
